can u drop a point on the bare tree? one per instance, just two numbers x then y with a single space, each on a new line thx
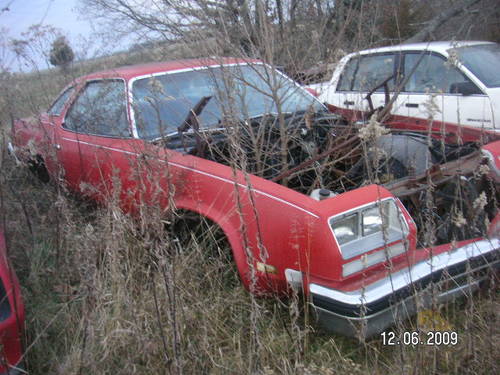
455 9
295 35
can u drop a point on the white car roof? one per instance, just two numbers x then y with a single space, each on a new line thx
440 47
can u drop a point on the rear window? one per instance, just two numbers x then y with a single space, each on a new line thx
100 109
367 72
372 71
345 83
58 105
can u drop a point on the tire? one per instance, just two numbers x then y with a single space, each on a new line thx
403 155
410 151
388 170
38 168
199 239
458 196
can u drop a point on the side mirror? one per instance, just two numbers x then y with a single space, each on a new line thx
464 88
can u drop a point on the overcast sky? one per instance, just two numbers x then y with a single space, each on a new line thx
16 16
58 13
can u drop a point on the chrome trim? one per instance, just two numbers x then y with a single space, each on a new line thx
294 279
369 325
79 89
369 260
462 289
403 278
345 213
361 242
360 207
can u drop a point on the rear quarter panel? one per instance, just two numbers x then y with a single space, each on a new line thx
35 136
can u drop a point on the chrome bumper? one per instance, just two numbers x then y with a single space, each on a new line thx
365 312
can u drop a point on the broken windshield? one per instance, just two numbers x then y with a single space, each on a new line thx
161 103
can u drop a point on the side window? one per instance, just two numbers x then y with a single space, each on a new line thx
100 109
58 105
432 74
372 71
345 82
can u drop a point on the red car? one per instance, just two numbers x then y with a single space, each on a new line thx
239 143
11 316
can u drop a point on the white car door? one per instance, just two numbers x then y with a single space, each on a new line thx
435 88
360 75
339 92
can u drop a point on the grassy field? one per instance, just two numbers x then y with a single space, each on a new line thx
108 294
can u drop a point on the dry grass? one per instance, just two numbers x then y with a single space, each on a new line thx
107 294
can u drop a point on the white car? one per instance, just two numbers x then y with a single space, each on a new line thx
462 79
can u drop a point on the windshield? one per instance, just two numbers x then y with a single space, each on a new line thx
162 103
483 61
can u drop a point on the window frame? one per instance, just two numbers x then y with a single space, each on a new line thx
342 75
81 90
66 103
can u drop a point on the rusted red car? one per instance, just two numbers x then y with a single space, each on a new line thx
287 181
11 316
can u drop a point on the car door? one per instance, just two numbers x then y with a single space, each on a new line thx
97 149
434 88
361 75
339 93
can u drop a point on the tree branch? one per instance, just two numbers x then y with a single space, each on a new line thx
434 23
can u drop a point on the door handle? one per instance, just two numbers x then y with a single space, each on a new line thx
411 105
57 146
348 102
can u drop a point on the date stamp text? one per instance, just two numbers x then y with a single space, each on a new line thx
414 338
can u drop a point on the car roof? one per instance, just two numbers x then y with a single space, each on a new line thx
132 71
441 47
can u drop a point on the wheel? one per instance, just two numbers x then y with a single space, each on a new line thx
411 151
386 171
459 219
202 242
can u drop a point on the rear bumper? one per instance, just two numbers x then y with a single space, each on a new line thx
368 311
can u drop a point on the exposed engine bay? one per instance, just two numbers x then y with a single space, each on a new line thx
440 184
